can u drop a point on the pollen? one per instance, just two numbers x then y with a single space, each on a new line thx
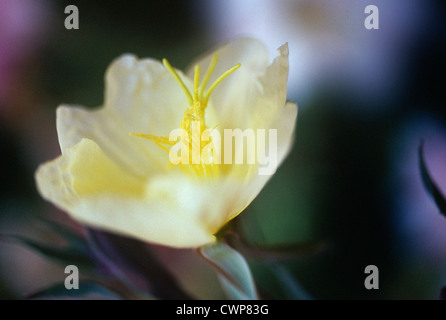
195 112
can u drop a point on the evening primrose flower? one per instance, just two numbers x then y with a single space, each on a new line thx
114 172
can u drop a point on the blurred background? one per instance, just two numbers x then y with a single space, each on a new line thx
366 99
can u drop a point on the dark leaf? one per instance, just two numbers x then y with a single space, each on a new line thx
132 261
429 183
65 254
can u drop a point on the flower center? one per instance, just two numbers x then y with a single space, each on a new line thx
194 114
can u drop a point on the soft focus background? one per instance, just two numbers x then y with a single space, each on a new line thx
366 99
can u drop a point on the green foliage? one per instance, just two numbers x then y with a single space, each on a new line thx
232 269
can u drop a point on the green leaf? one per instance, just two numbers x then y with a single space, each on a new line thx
232 269
64 255
429 183
86 290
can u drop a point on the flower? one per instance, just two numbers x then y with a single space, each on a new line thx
110 179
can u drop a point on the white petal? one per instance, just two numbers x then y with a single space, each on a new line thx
171 209
176 211
147 221
82 171
138 156
235 93
54 183
270 96
144 95
285 126
141 97
253 95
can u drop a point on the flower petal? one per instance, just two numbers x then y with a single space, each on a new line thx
137 156
94 173
171 209
270 97
254 94
54 182
231 96
145 95
285 126
141 97
84 170
144 220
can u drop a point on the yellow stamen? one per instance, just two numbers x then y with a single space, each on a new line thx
196 83
208 74
159 139
177 77
219 79
197 101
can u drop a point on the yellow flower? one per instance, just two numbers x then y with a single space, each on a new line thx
110 179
